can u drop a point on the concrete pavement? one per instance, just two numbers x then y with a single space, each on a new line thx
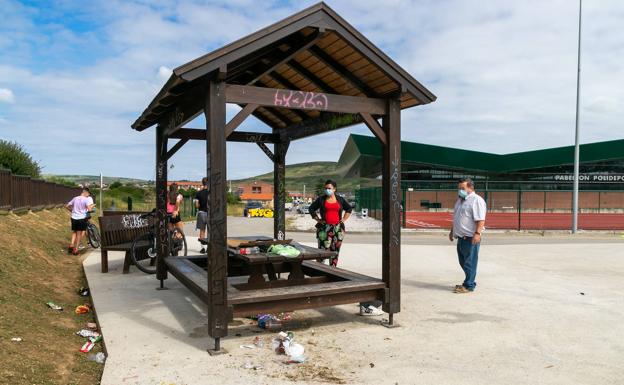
542 314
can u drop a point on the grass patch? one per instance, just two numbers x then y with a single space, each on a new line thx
35 268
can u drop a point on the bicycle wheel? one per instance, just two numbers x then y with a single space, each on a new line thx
93 235
144 253
177 242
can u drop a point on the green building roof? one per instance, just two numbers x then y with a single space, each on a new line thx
361 156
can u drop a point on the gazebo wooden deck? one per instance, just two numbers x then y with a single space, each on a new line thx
307 74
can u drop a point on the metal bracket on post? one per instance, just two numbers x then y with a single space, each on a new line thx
217 348
389 323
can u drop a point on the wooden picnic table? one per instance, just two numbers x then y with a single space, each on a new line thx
264 261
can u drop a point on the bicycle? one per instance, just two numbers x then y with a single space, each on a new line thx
93 234
144 252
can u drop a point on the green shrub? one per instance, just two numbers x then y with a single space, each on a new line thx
15 158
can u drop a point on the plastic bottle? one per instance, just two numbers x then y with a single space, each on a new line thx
248 250
273 324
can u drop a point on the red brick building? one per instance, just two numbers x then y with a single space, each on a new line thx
256 191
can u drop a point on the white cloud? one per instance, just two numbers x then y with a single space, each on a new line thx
504 74
6 95
164 73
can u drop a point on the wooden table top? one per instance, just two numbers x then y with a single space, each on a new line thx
307 252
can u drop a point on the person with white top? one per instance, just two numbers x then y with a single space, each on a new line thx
79 207
468 224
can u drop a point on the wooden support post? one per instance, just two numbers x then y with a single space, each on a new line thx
391 206
279 189
217 225
176 147
162 242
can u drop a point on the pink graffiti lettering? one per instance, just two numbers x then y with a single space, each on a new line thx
301 99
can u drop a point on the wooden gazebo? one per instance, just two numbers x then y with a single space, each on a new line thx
307 74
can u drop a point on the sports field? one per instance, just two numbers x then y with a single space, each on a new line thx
526 221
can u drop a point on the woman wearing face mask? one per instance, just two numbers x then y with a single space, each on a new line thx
330 228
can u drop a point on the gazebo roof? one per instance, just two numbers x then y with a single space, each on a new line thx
313 50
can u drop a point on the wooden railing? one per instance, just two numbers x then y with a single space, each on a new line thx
18 192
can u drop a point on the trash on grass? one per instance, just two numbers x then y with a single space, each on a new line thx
91 326
54 306
99 357
83 291
17 339
87 347
87 333
83 309
95 339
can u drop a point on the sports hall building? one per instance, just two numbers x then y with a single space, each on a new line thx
520 188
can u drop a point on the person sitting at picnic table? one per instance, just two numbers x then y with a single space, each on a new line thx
330 228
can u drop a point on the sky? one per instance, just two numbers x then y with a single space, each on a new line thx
74 75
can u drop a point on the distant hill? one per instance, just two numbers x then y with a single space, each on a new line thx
95 179
312 174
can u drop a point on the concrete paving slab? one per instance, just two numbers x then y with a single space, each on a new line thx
542 314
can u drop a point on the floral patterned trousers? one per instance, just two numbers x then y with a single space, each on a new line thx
330 238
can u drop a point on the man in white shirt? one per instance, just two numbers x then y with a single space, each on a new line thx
468 224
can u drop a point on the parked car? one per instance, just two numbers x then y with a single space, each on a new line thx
288 206
304 209
251 205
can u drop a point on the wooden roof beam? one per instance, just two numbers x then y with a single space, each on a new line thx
236 136
301 70
287 84
295 99
338 68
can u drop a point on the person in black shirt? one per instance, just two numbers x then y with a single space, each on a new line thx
201 203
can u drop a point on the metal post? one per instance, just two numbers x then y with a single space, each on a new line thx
576 133
101 189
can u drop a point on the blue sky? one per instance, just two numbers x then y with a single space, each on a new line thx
74 75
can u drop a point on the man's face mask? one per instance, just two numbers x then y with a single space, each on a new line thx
462 193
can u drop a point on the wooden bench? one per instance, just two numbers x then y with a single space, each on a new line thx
118 232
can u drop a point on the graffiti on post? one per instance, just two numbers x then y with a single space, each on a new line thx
301 99
133 221
395 174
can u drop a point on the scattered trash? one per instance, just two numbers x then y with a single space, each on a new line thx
372 365
295 360
99 357
249 365
54 306
549 366
96 339
17 339
238 334
91 326
248 346
284 344
258 342
284 250
83 291
87 347
83 309
269 321
582 293
87 333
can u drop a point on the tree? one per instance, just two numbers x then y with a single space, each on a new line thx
115 184
15 158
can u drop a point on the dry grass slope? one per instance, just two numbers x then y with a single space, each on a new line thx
35 268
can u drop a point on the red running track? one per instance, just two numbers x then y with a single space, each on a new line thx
528 221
